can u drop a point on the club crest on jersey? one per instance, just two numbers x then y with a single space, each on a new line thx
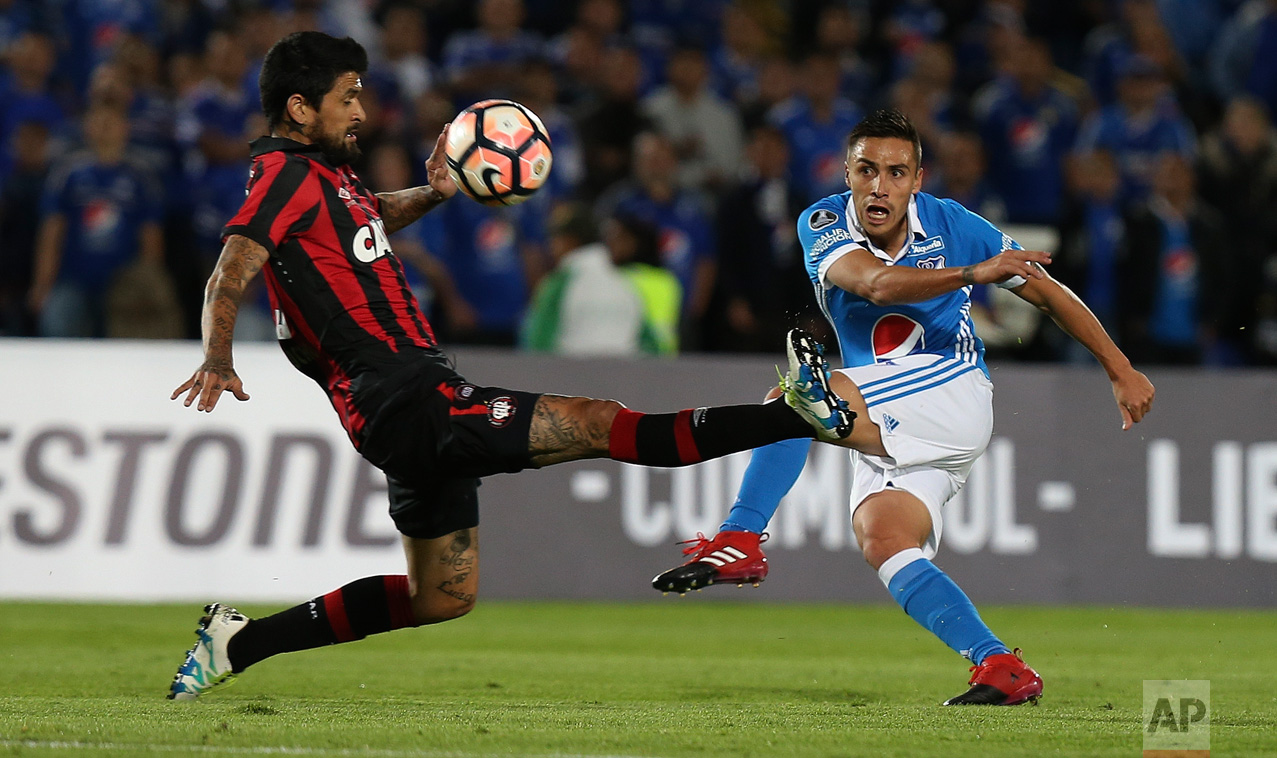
821 218
935 261
501 410
896 335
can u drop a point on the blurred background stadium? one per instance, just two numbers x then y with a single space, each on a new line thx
1132 137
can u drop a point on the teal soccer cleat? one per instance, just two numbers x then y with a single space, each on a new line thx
207 664
806 388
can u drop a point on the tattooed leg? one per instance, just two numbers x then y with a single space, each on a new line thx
570 428
443 575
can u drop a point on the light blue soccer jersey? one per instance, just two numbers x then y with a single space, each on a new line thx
942 234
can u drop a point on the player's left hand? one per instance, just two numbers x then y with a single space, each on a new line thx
437 166
208 383
1134 394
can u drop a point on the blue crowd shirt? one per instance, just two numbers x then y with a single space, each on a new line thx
218 189
1137 142
942 234
1174 316
466 50
1262 79
817 150
569 161
1104 233
105 209
481 247
1028 139
94 28
19 108
685 228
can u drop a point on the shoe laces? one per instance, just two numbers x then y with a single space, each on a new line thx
699 542
694 544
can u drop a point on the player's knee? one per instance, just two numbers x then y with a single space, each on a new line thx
877 549
598 416
436 606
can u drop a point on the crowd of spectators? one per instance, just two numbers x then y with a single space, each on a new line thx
1135 136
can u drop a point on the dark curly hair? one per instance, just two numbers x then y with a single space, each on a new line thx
306 64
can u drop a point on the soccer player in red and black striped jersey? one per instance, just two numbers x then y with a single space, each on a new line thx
345 317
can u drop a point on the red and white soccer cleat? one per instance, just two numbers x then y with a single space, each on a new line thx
729 558
1003 679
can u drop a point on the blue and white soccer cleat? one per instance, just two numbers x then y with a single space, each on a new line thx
207 664
806 388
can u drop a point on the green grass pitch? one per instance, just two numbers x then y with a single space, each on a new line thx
674 678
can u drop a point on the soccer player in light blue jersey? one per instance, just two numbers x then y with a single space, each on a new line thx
893 270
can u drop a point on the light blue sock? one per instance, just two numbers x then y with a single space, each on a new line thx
773 469
932 599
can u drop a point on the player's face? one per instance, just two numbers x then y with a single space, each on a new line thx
883 176
338 119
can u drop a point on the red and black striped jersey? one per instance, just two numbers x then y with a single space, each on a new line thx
344 314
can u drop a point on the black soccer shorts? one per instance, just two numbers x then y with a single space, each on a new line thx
435 437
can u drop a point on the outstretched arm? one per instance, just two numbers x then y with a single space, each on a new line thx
239 262
1132 390
398 209
860 273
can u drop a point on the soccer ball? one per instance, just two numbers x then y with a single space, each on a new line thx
498 152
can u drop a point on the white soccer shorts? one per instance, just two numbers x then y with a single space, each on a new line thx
936 416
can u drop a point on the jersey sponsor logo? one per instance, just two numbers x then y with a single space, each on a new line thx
100 218
495 244
465 391
344 194
935 261
821 218
1007 242
896 335
1028 136
675 247
1179 266
828 240
371 242
889 422
501 410
928 245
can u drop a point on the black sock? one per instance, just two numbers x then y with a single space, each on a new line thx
695 435
366 606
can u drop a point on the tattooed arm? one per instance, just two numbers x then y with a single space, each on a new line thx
240 261
398 209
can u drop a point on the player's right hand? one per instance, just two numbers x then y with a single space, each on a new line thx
437 166
1134 394
208 383
1009 264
